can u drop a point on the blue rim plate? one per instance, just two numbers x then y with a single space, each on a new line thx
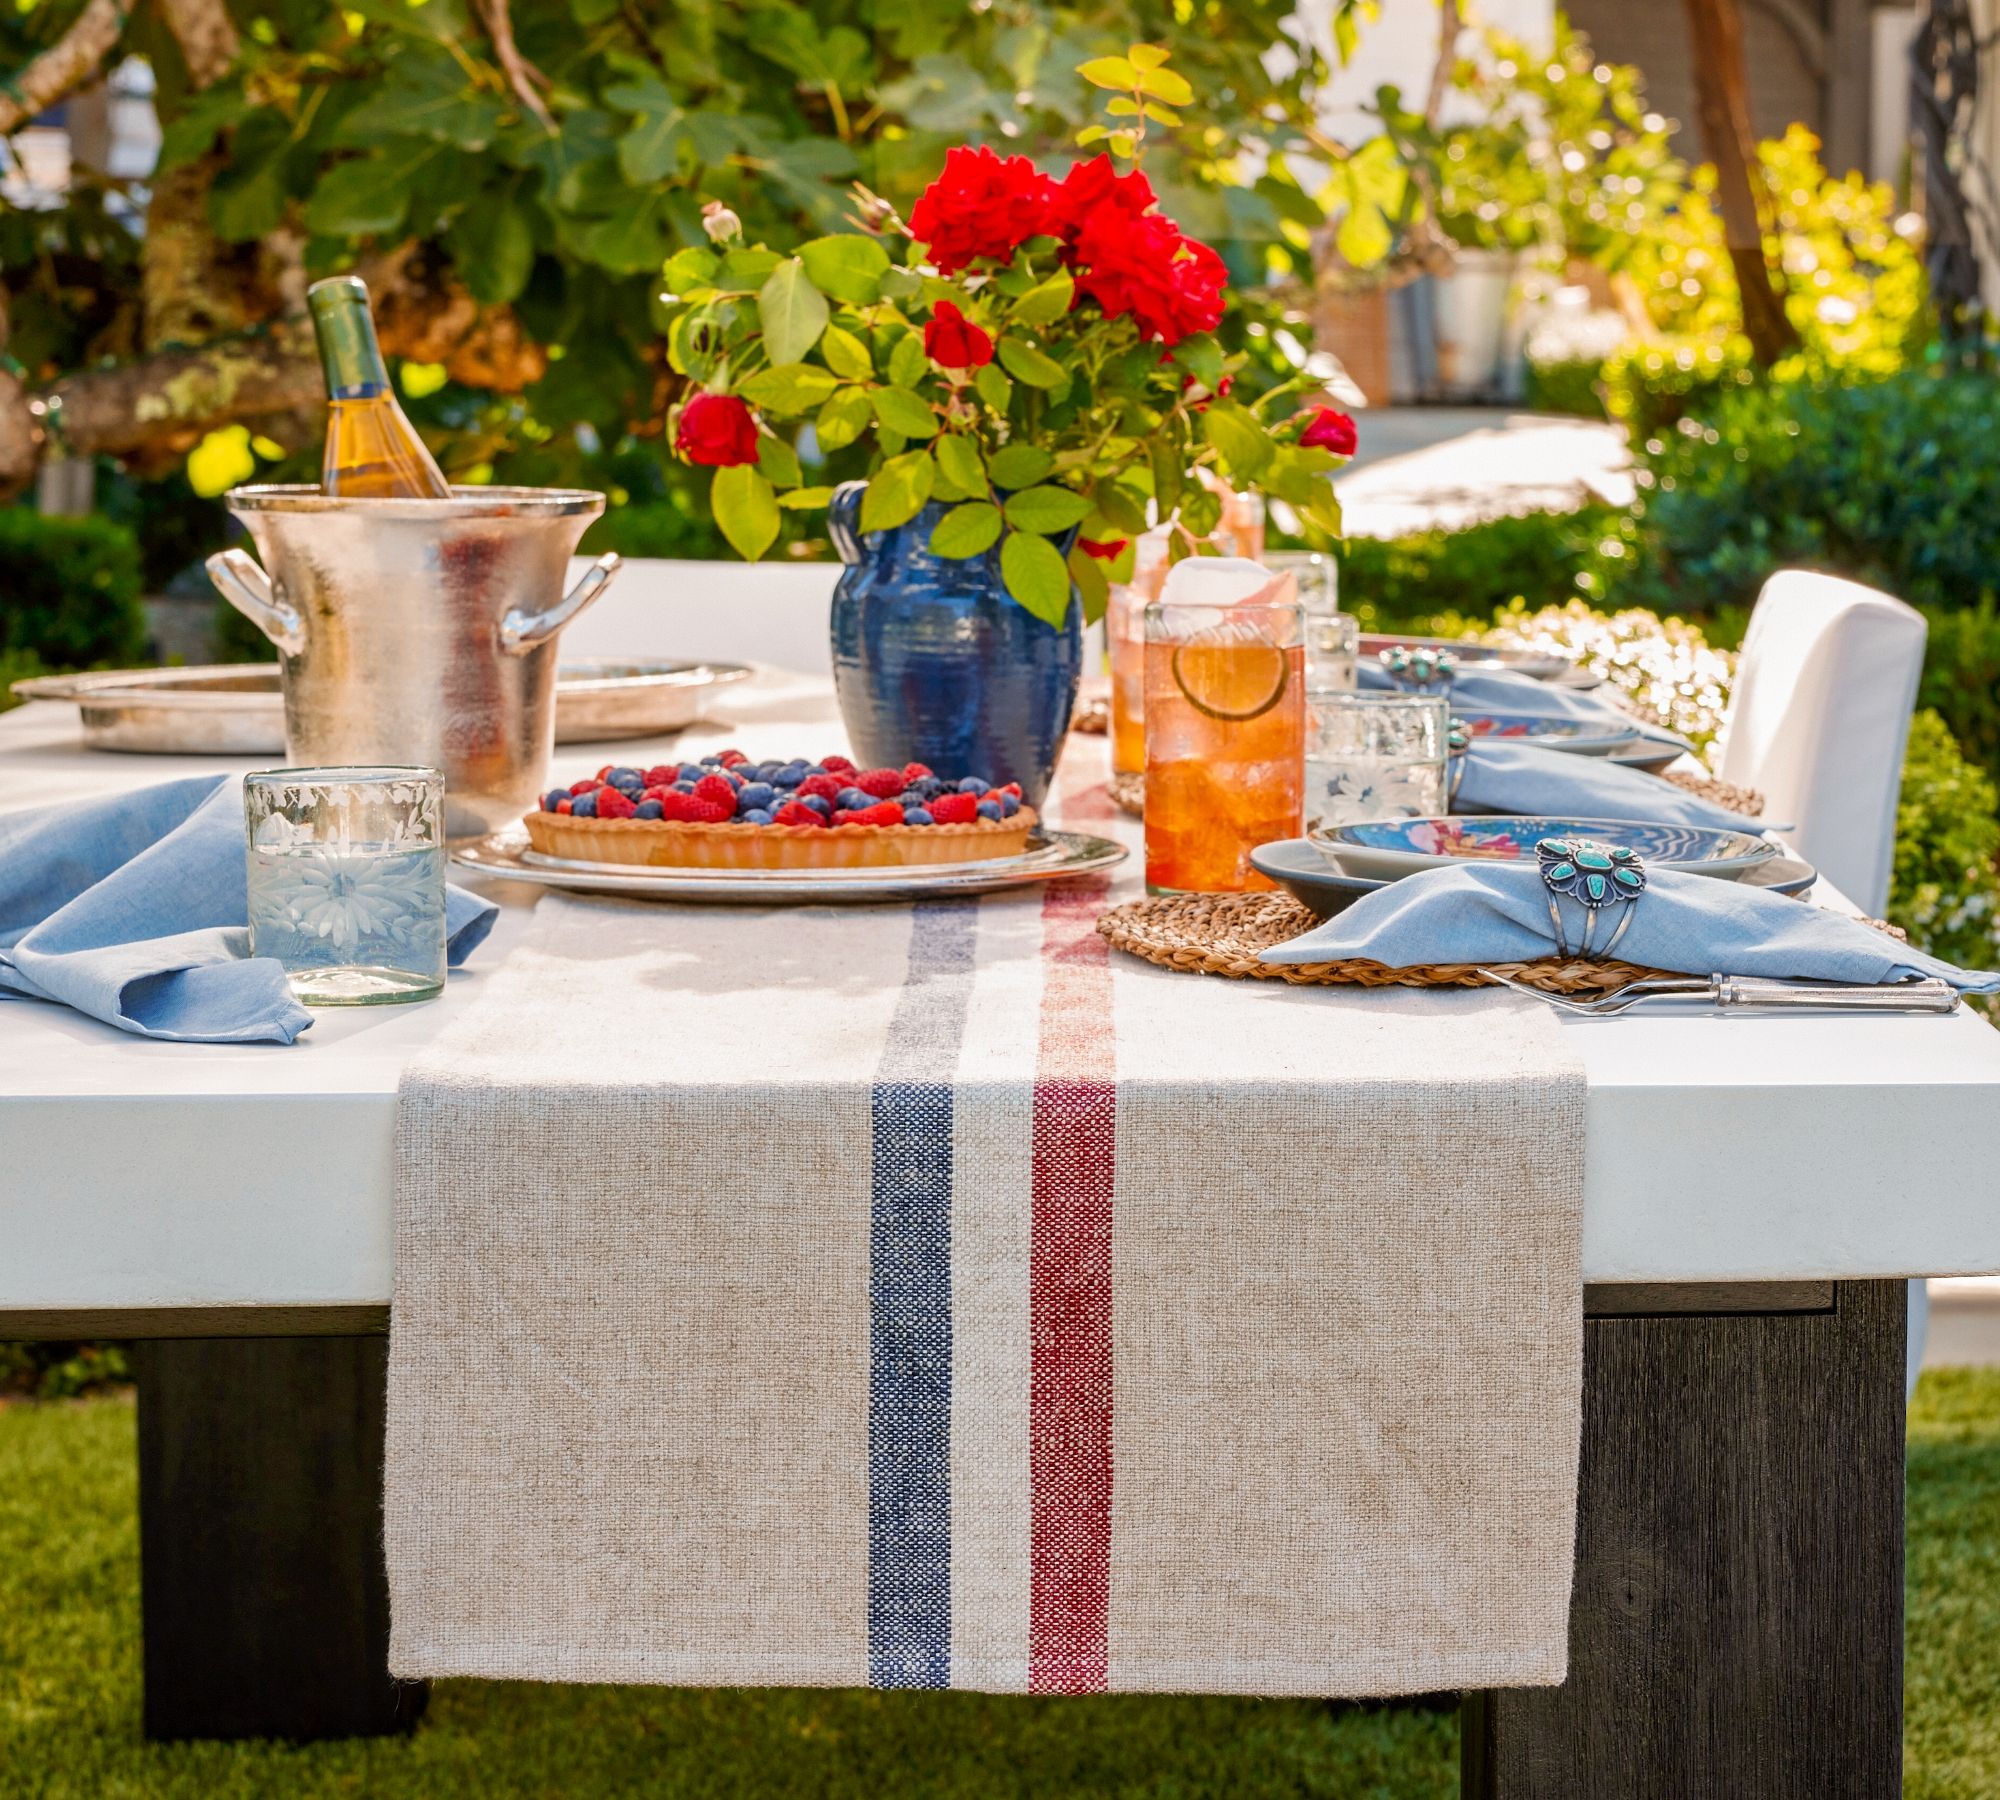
1297 865
1579 737
1539 665
1392 847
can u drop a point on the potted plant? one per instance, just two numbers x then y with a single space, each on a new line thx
1033 366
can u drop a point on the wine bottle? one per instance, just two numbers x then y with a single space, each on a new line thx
372 450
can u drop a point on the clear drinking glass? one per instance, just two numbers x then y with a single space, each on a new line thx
1225 737
1125 634
1333 638
1375 756
347 881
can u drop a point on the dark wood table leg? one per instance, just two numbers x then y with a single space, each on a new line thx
265 1602
1737 1627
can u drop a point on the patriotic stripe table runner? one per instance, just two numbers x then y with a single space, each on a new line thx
925 1296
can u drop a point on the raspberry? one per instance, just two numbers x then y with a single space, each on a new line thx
562 806
838 764
880 784
604 774
654 790
916 772
1012 787
954 809
611 804
584 786
792 813
664 776
887 813
827 787
692 809
730 758
717 790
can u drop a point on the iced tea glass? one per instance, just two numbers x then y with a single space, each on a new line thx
1225 736
1125 633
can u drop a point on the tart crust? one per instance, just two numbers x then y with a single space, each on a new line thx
664 844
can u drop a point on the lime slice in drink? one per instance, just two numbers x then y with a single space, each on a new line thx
1230 676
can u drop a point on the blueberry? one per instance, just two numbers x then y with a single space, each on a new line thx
648 809
991 809
930 787
819 803
583 806
691 772
550 799
735 780
755 815
852 799
683 787
807 769
619 775
1009 806
756 793
785 778
763 771
915 815
626 782
972 785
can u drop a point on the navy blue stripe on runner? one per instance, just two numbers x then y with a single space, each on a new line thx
910 1333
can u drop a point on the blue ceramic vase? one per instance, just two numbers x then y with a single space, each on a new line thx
934 663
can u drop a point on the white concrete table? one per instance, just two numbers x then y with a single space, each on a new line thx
1753 1187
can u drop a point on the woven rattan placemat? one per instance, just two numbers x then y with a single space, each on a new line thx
1221 934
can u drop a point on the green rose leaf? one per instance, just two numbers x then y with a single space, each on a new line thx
908 364
1239 440
1045 304
1169 465
897 490
1124 509
967 530
692 268
1093 584
1046 509
749 268
843 419
779 461
1020 466
745 509
900 410
1201 510
959 466
788 389
846 355
1036 576
1025 363
1201 357
792 311
994 388
848 267
805 499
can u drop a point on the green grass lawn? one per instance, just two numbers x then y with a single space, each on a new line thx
69 1682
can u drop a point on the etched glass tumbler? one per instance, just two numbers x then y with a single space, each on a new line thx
347 881
1375 756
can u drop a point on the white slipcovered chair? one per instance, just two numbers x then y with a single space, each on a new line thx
1817 722
767 612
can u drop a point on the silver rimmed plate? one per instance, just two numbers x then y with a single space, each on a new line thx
1388 848
236 709
1050 857
1541 665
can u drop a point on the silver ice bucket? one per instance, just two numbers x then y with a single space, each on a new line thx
419 631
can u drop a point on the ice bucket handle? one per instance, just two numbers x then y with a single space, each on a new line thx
247 588
521 631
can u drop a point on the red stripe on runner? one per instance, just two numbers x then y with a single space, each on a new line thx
1075 1154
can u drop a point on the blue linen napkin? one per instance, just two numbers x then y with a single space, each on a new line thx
136 912
1517 775
1689 924
1477 691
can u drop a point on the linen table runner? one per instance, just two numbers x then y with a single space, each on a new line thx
922 1296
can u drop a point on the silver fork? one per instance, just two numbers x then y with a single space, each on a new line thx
1750 993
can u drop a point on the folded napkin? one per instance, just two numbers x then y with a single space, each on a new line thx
1517 775
1476 691
136 912
1689 924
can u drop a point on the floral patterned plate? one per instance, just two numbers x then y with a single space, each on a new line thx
1388 848
1579 737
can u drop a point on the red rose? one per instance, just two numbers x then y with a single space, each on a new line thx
717 431
1143 266
1188 383
1108 551
1087 187
952 341
980 205
1330 430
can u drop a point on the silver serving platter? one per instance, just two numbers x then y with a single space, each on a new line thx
1050 857
236 709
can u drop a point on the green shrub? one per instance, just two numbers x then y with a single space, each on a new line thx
17 665
71 595
1944 889
1567 386
655 528
61 1371
1404 584
1962 676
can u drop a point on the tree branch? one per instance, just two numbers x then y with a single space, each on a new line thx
522 76
73 59
1450 22
206 35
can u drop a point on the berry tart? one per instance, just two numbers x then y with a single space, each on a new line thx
726 812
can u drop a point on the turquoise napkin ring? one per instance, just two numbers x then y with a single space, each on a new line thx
1597 877
1419 671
